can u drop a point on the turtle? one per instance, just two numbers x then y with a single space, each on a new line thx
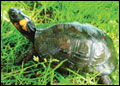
85 46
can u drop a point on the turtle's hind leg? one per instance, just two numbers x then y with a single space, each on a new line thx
105 80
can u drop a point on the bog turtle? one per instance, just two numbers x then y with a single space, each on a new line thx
85 46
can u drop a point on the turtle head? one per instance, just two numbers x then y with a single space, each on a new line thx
22 22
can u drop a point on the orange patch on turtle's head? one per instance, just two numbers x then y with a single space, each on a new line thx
23 24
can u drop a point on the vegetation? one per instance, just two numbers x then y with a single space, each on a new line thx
102 14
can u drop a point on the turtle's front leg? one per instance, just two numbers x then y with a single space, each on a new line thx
105 80
28 55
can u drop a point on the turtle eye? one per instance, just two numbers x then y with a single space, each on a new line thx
14 14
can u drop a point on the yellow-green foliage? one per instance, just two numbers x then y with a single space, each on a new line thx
102 14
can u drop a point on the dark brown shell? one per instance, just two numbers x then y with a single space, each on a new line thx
85 46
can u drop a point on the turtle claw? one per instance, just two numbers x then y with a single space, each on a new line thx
18 62
23 60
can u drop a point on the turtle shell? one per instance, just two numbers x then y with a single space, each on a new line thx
86 47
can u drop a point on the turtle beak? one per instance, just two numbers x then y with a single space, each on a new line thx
13 13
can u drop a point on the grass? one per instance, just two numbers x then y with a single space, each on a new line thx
102 14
